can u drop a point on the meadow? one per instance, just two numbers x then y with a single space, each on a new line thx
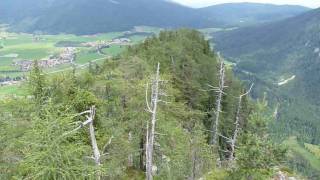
16 46
22 46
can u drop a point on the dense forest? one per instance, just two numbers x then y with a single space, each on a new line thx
168 108
100 16
271 53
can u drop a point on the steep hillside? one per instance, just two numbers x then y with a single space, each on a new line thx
284 58
95 16
303 157
46 136
242 14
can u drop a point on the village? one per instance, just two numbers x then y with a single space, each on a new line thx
68 55
107 44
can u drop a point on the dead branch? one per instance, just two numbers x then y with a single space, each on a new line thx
237 124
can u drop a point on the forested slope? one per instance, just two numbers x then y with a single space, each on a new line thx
42 136
98 16
244 14
283 59
277 51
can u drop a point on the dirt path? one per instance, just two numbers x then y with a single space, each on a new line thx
78 66
286 81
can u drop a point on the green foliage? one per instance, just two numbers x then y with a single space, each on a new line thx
313 149
83 100
283 49
217 175
43 145
301 159
257 156
86 17
56 157
271 53
37 83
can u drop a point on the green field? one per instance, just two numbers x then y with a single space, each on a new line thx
18 90
16 46
22 46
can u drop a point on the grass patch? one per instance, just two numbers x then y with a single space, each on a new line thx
87 56
113 50
314 149
293 145
18 90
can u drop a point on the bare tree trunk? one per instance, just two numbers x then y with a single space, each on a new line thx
276 111
130 157
142 153
96 153
237 126
194 161
147 153
236 131
95 149
151 132
215 123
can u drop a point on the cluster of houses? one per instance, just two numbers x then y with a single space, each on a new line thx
68 55
106 44
8 83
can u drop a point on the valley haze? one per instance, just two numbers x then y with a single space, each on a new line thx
205 3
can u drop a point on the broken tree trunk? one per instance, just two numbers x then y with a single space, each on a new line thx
96 153
237 126
130 156
151 131
215 123
95 149
193 159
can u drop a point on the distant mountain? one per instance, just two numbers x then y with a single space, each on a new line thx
95 16
283 58
240 14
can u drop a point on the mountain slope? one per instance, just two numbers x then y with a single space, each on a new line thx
240 14
273 53
116 92
95 16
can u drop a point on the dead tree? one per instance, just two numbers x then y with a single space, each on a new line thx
219 90
152 108
97 154
276 112
95 149
130 156
194 159
237 129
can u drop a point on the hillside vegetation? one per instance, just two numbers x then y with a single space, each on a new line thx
285 51
277 51
99 16
42 136
244 14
